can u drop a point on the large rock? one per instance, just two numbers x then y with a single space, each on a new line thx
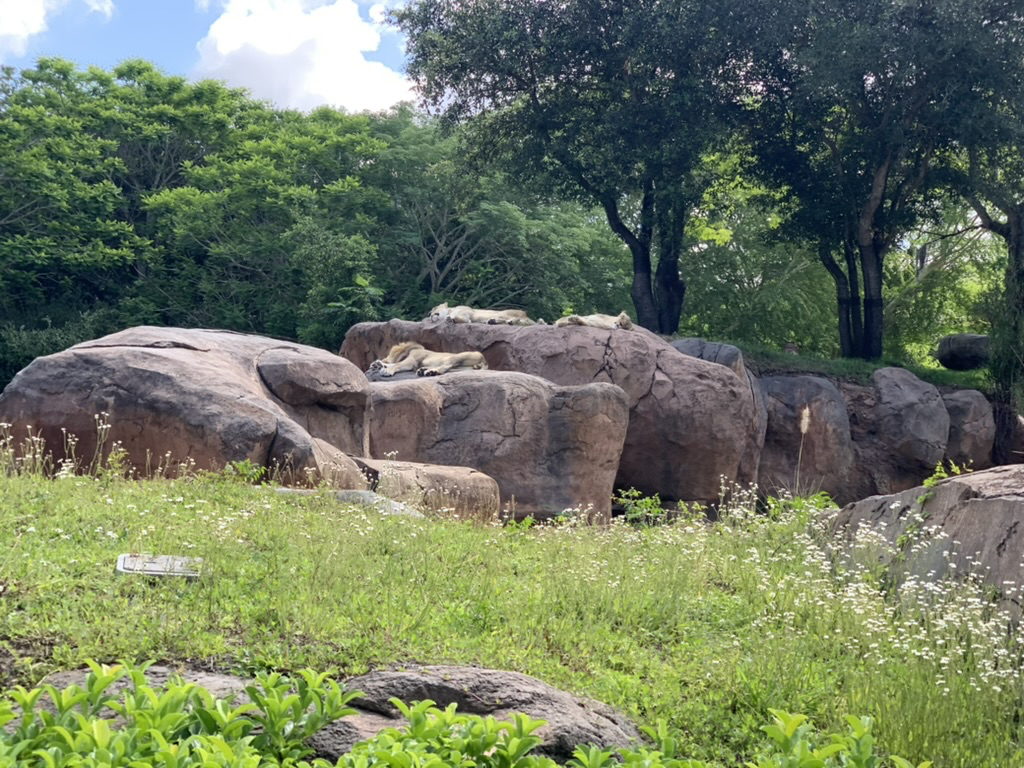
972 429
459 491
899 427
571 721
714 352
963 351
208 397
732 358
808 447
911 419
972 522
549 448
691 422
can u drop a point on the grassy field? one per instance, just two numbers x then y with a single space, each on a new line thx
705 626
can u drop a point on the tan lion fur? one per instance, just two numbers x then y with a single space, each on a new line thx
464 314
411 356
604 322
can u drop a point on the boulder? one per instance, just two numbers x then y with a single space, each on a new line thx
799 460
973 522
732 358
972 429
899 428
911 421
713 352
199 396
963 351
458 491
691 422
571 721
549 447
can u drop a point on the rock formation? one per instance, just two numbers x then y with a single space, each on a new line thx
548 447
972 522
208 397
691 423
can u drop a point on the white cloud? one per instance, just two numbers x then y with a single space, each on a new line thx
21 20
300 54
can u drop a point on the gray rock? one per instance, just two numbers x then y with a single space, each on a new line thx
713 352
963 351
691 422
548 447
976 517
911 419
972 429
571 721
819 459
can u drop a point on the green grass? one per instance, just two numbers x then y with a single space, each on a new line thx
705 626
765 361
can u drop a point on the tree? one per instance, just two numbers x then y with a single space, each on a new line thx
472 235
851 104
613 103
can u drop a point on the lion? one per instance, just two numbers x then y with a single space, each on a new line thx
464 314
411 356
604 322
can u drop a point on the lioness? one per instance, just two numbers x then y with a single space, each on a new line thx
411 356
464 314
604 322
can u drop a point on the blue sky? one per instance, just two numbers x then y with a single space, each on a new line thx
294 53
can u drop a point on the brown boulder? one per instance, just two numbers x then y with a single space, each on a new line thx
805 462
972 429
690 422
207 397
460 491
972 522
549 448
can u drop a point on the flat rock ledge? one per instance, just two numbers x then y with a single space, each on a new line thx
571 721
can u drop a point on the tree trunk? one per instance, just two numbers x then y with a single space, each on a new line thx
642 294
670 291
846 348
856 308
1007 357
871 265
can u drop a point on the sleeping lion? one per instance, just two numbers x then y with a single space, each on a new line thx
411 356
604 322
464 314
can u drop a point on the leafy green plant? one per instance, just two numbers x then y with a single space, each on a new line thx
245 471
641 510
177 726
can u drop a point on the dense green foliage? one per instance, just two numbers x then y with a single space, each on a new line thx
787 169
705 627
132 197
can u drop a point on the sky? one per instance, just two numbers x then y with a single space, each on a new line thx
293 53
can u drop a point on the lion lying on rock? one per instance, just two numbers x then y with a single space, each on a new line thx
604 322
464 314
410 356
